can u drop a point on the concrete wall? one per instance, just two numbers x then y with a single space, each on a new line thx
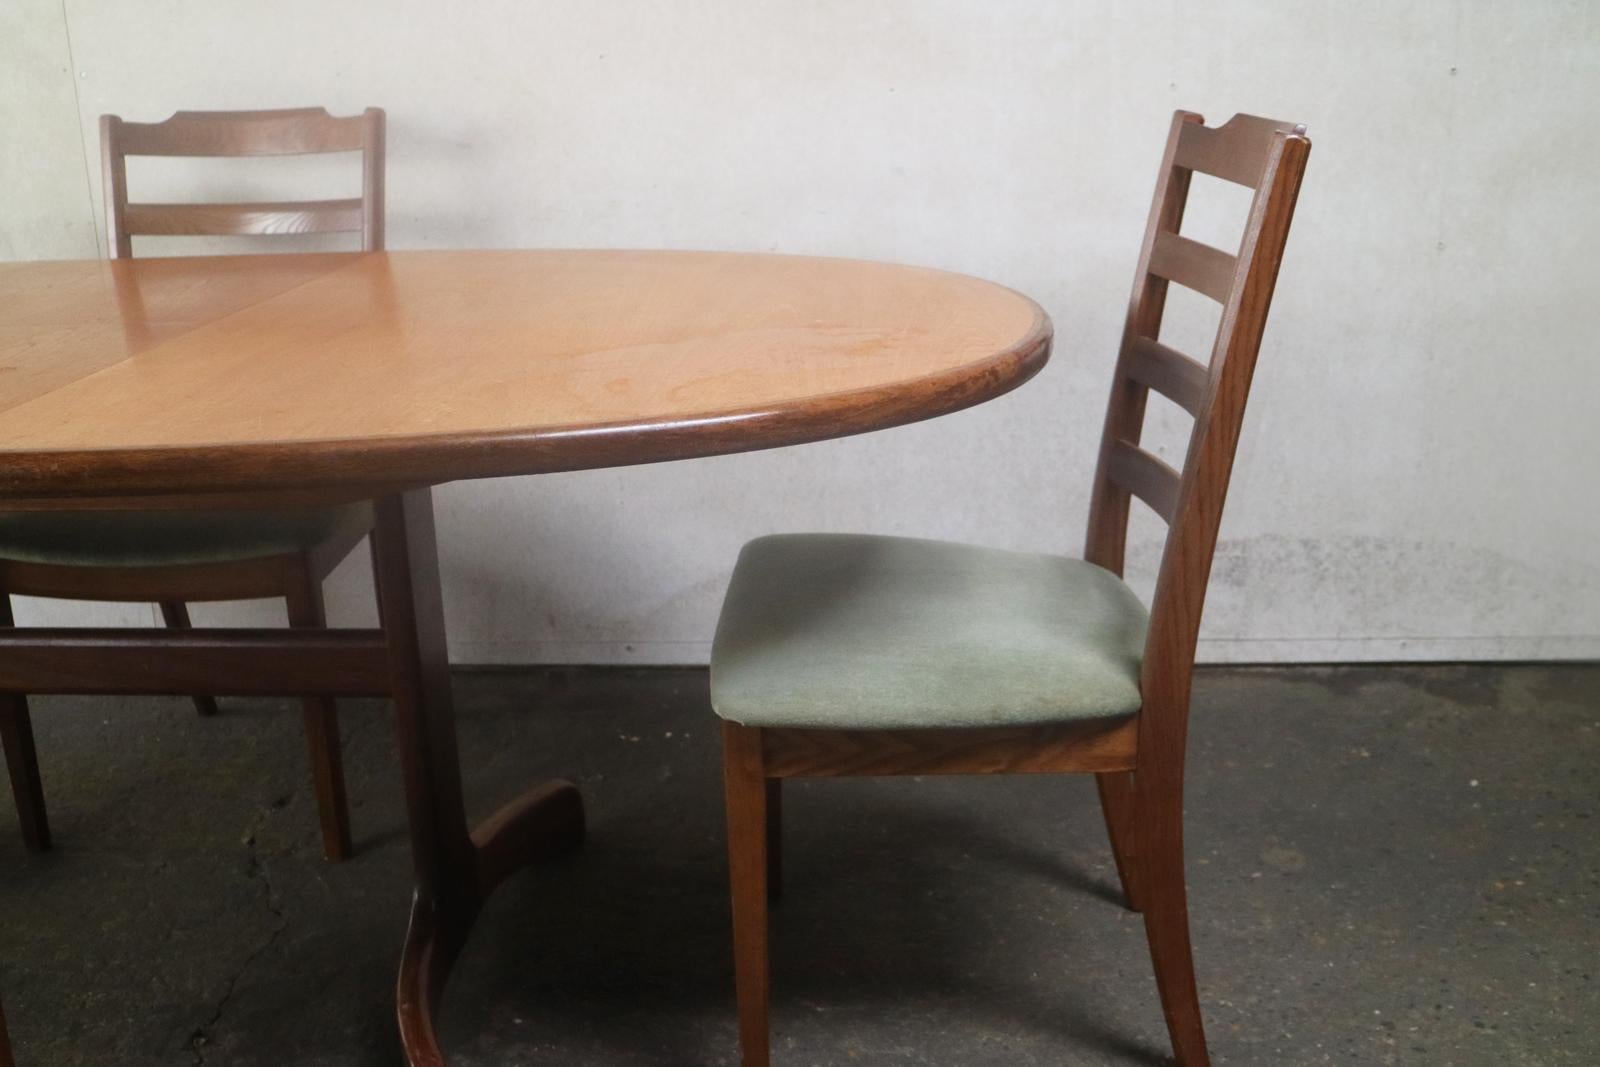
1417 478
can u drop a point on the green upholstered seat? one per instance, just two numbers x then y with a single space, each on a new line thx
166 538
845 631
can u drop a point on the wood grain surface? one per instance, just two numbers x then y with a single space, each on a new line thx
380 370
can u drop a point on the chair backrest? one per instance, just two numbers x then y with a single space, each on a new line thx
297 131
1269 157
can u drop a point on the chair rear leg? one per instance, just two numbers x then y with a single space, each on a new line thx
774 838
1117 804
321 715
745 786
1166 921
22 761
176 615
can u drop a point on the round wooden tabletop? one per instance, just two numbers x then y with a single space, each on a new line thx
361 371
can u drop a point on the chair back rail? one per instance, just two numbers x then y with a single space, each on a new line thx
227 134
1269 157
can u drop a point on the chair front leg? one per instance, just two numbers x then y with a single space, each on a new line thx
745 785
1117 804
321 714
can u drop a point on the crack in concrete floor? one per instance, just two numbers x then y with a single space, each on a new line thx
257 869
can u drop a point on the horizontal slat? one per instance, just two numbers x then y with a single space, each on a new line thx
1189 263
1146 477
1169 372
216 662
1236 151
299 131
1052 749
283 217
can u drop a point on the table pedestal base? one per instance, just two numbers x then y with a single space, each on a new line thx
456 869
543 824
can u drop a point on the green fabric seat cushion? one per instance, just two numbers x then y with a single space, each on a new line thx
859 632
168 538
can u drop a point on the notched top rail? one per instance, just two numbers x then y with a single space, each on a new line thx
288 132
1237 151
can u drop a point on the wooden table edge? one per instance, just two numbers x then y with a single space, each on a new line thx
355 468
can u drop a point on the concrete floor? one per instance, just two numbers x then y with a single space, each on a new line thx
1387 865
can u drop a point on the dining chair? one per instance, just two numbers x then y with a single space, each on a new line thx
174 557
842 655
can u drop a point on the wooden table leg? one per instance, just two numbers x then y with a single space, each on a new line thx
456 869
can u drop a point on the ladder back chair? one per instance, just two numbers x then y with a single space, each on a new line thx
173 557
852 655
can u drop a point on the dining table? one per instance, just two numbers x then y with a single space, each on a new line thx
304 379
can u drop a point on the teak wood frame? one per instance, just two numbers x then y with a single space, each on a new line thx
1138 763
298 576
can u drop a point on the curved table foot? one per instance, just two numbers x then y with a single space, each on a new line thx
543 824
